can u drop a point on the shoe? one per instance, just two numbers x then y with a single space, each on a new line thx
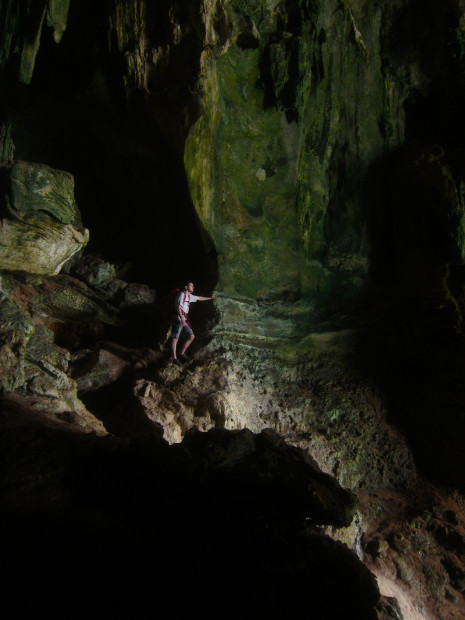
184 357
176 361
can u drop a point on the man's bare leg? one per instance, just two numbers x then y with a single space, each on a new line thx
174 344
186 344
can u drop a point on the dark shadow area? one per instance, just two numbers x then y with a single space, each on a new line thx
415 351
118 409
223 522
427 41
130 182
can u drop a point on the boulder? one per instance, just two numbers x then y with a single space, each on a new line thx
43 229
136 295
95 271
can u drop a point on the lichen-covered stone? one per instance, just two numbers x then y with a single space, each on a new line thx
43 230
42 351
37 187
16 328
136 294
95 271
281 117
70 300
38 244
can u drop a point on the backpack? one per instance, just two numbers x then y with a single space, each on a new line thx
170 307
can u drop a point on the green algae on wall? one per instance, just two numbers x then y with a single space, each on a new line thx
292 115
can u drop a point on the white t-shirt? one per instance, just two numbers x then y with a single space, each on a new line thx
185 304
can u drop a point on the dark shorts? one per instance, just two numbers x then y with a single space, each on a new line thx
178 328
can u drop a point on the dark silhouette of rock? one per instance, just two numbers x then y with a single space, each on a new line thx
215 519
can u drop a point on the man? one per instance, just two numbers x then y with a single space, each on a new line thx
182 323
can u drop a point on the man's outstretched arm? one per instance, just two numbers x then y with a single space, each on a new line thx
205 298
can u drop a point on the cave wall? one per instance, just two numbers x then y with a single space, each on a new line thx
282 103
302 104
274 130
307 159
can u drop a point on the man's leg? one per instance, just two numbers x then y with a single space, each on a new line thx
176 332
187 344
174 344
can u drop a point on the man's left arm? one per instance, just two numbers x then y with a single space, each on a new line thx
199 298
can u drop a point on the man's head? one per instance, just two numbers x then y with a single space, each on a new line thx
189 287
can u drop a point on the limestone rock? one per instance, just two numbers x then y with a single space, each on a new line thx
94 369
31 363
95 271
7 148
37 187
162 406
22 31
38 244
42 349
43 229
16 328
61 298
136 295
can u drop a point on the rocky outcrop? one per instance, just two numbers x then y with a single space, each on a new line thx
43 229
40 307
410 550
38 312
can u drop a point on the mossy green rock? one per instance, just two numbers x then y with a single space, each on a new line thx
43 230
95 271
42 349
292 109
70 300
16 328
37 187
